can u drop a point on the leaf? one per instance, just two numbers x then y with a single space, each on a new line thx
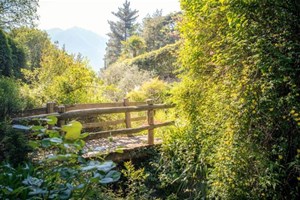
73 130
106 180
21 127
115 175
46 143
84 135
51 120
56 140
33 144
119 150
37 128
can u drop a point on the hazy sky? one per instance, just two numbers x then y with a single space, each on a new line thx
93 14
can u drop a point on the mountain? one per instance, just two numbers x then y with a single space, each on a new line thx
78 40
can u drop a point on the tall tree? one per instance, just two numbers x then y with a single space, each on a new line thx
16 13
34 42
159 30
121 30
6 62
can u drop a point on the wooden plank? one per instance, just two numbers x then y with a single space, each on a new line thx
110 110
136 103
127 114
17 119
91 105
35 111
150 119
111 123
103 134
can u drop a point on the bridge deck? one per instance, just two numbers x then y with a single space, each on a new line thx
118 148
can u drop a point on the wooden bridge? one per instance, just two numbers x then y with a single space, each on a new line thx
102 139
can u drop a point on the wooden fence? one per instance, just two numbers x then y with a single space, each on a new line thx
68 112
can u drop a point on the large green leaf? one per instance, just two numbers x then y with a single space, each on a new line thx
73 130
51 120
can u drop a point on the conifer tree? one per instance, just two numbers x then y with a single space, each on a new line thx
121 30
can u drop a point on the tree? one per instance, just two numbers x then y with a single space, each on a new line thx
62 78
121 78
18 57
159 30
34 42
121 30
16 13
240 96
6 63
134 46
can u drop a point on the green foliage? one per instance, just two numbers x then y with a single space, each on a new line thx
10 98
161 62
62 78
121 79
6 62
16 13
14 146
61 173
239 99
154 89
17 57
159 31
12 57
133 47
33 42
136 188
121 30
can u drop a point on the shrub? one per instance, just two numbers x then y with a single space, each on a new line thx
10 98
154 89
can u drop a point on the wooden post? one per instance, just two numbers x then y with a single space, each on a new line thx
61 109
50 109
127 114
150 116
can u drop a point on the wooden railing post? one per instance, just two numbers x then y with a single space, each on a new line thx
150 116
61 109
127 114
50 109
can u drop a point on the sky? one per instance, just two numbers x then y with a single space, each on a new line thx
93 14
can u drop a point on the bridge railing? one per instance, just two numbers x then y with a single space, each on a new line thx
68 112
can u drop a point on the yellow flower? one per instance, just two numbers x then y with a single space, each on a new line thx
296 114
271 109
298 151
298 178
292 111
280 157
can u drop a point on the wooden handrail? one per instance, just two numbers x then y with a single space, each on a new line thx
67 112
105 134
